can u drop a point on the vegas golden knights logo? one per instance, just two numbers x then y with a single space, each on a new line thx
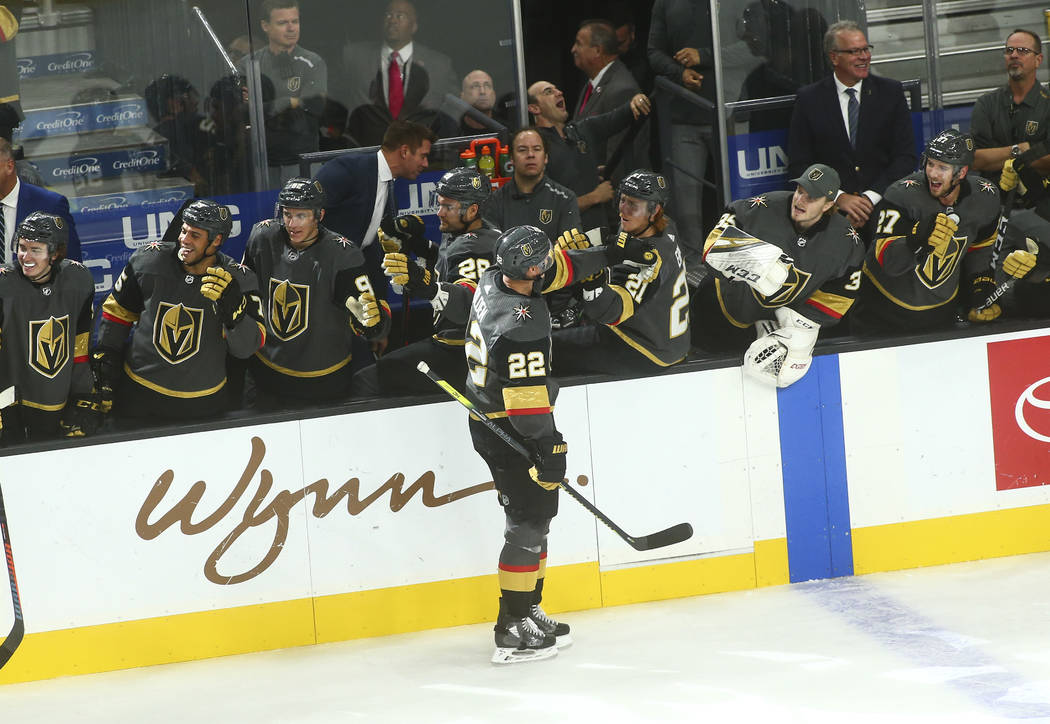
1031 128
49 345
294 82
289 308
938 269
177 331
546 215
789 291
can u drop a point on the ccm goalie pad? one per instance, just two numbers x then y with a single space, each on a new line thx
741 257
782 355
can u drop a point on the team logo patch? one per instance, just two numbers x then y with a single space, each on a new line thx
526 249
661 182
969 143
852 233
317 185
49 345
58 222
988 187
522 312
755 201
816 175
546 215
1031 127
939 269
909 182
789 291
476 182
177 331
293 83
289 308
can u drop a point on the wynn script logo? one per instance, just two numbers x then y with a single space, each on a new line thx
277 510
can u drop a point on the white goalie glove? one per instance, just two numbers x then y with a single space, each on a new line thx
783 354
738 256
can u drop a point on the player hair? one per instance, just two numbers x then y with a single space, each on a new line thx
832 34
407 133
268 6
660 222
7 153
603 35
1034 36
526 129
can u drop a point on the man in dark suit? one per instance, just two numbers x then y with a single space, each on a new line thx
855 122
610 85
359 188
398 79
19 199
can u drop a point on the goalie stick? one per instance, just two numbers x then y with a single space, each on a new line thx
14 638
669 536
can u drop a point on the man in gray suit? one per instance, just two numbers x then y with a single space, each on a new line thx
397 79
610 85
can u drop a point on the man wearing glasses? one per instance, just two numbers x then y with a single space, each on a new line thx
1011 122
855 122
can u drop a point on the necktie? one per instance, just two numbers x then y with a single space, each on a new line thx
853 113
391 202
397 87
3 236
586 96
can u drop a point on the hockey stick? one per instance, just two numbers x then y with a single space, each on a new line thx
14 638
997 249
670 536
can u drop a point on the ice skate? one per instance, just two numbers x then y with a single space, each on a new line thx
520 639
550 627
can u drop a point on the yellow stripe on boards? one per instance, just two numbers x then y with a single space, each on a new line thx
959 538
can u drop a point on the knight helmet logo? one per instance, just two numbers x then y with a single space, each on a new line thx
476 182
177 331
49 345
816 174
289 308
546 215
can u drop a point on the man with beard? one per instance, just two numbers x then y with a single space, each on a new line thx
1012 122
785 263
934 234
189 305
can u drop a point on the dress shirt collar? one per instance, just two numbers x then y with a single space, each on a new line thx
841 87
385 174
598 78
12 198
404 53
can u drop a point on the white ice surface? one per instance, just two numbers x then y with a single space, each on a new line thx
962 643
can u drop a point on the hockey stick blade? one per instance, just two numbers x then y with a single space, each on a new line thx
670 536
14 638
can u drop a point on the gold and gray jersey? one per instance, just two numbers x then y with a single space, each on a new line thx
46 329
508 350
179 345
903 268
550 207
304 292
824 275
651 317
461 261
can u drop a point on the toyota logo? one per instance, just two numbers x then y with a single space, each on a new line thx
1028 397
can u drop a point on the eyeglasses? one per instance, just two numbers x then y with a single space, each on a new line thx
855 52
449 208
395 16
1010 50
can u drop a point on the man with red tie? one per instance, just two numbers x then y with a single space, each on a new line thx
610 85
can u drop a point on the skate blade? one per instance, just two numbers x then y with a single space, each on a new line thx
518 656
563 642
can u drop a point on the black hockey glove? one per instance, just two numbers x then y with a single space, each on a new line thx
407 235
418 281
219 286
82 416
106 366
549 458
624 247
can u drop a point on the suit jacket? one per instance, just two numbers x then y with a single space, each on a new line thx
34 198
616 87
885 148
362 84
677 24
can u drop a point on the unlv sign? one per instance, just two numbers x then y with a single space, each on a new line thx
1019 383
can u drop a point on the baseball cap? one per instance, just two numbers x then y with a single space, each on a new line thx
819 180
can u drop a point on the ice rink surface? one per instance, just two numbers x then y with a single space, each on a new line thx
961 643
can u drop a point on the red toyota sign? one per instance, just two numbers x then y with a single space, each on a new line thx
1019 383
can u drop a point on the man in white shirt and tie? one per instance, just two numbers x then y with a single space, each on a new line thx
19 199
855 122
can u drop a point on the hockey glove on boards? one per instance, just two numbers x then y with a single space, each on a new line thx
549 457
983 286
417 281
219 286
106 366
82 416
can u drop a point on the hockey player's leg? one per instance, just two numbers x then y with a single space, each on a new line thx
517 636
544 622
